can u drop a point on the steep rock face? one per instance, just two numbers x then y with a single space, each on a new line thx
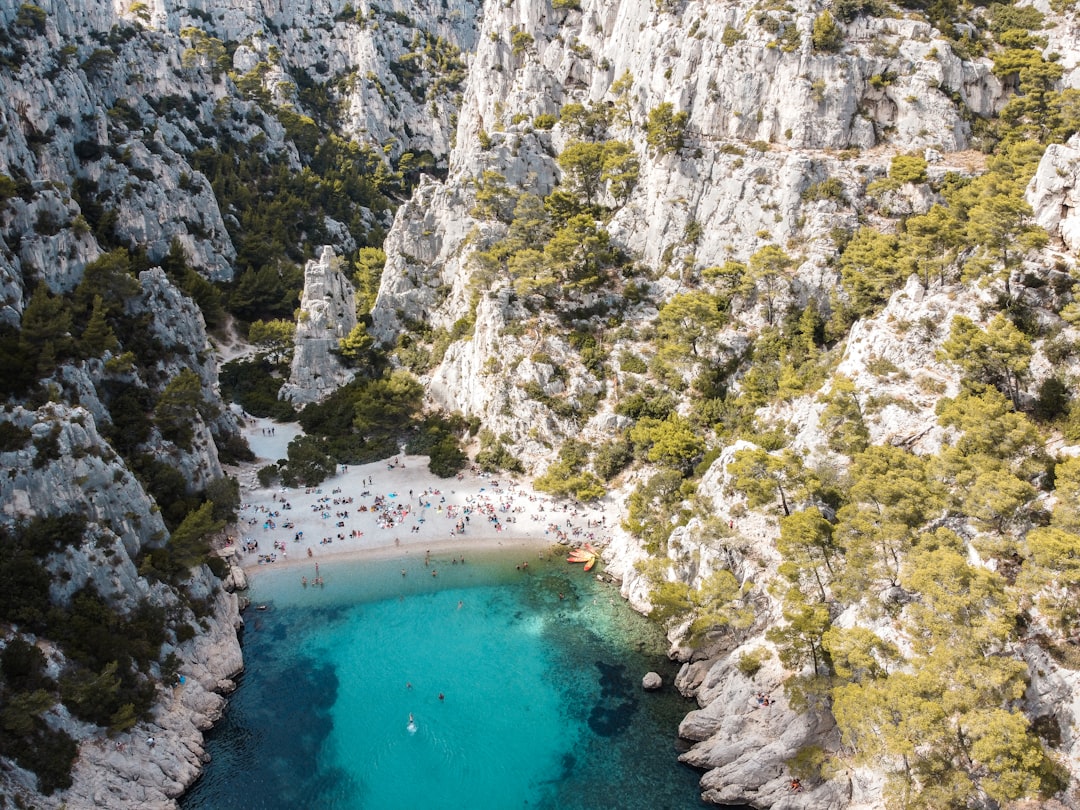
744 744
68 467
743 90
380 48
178 325
893 361
124 771
1054 194
55 129
735 199
327 314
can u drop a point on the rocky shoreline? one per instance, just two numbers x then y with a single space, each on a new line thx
127 770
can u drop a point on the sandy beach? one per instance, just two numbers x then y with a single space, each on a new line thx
396 508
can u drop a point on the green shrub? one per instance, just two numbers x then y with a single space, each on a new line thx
446 458
495 457
827 36
254 385
268 475
908 169
828 189
613 457
731 36
31 17
750 663
520 41
13 437
632 363
666 129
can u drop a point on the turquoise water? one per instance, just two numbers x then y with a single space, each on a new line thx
539 669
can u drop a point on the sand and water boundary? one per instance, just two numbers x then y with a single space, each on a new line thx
395 508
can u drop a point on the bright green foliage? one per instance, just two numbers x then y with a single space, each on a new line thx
178 407
666 128
584 123
998 500
990 427
811 556
727 279
872 267
495 456
715 605
567 475
892 494
831 188
275 337
947 724
859 654
1000 221
583 164
579 252
769 277
961 605
620 170
799 641
931 240
731 36
766 478
520 41
622 89
1052 571
827 35
908 169
999 355
1038 111
842 419
671 442
654 505
1066 514
494 200
367 276
356 346
687 322
205 51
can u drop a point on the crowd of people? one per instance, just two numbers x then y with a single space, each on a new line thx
433 513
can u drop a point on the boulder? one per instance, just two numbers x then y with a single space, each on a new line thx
651 682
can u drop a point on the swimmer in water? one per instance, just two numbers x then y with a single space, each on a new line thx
411 728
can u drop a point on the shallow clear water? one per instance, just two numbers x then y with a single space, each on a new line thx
540 672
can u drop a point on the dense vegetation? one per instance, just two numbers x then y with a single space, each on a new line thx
929 683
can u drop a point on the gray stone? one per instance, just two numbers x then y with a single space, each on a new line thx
651 682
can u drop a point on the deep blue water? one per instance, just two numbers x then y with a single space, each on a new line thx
540 677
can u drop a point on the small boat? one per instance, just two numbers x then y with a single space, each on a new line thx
262 607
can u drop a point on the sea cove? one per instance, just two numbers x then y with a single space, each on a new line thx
524 684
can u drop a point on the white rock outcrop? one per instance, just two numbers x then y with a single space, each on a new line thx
1054 194
327 315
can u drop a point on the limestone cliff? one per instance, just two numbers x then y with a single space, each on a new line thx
155 157
327 315
786 140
